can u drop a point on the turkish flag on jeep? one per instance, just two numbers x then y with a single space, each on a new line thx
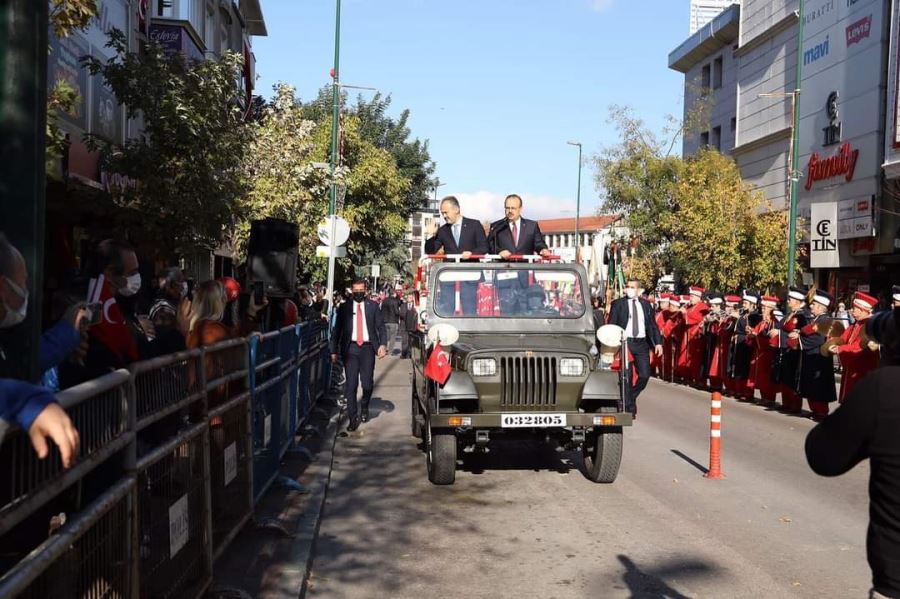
438 366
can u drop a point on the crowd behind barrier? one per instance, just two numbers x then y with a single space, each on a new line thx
175 453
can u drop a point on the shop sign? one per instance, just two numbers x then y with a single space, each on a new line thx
841 164
63 64
859 30
833 130
823 242
817 51
855 217
175 40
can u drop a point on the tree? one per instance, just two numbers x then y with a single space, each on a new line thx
187 165
284 182
66 17
695 217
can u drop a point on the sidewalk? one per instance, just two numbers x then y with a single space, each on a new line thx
272 554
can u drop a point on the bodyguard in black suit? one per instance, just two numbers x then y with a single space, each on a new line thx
636 316
359 335
409 321
459 235
515 235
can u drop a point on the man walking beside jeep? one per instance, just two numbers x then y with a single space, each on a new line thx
636 317
358 330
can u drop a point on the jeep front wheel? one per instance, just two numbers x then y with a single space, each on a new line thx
441 457
603 456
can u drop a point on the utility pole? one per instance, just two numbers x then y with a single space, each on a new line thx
335 129
23 121
795 154
577 203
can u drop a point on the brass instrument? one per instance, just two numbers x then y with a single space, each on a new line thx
832 330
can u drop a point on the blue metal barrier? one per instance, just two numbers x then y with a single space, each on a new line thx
199 436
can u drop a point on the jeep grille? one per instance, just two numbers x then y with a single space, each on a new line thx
527 382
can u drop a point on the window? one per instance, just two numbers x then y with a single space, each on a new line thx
705 77
717 73
717 138
502 292
704 139
733 124
209 37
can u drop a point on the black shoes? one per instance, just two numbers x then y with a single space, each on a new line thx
365 415
354 424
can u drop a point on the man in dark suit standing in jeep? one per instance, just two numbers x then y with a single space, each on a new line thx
515 235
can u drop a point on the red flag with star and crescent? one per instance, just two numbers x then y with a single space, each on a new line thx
438 366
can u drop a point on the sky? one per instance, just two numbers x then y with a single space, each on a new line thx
497 86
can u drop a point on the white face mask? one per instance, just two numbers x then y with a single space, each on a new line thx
132 285
14 317
630 292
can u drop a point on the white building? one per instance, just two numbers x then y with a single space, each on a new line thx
849 237
594 235
704 11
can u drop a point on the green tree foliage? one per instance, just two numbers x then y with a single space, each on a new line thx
66 17
286 184
187 164
694 217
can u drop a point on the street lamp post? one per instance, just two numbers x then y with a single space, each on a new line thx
335 116
795 157
577 203
794 152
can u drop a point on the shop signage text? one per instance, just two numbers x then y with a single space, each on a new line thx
816 52
858 31
855 218
819 12
842 163
823 239
833 130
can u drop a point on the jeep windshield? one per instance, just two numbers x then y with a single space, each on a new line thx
488 291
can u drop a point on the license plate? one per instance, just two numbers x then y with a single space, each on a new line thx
532 420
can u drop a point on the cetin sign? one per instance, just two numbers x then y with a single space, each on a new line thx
823 238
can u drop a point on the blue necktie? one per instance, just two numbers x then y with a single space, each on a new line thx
456 234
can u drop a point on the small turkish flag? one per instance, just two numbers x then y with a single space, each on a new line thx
438 366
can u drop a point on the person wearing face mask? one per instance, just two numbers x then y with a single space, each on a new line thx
170 314
32 407
636 317
358 330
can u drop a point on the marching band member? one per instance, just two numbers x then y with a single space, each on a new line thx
715 357
787 358
741 351
857 354
694 314
762 375
816 370
726 332
670 353
682 361
662 321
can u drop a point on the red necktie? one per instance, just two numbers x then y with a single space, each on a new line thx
515 232
360 323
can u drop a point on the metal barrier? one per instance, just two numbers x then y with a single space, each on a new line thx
175 453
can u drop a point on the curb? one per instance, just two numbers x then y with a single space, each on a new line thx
267 565
304 546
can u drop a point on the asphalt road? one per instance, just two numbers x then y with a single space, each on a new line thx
523 521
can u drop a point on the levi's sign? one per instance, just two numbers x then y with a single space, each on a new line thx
841 164
858 31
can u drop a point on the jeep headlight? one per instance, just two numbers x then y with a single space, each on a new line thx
571 367
484 367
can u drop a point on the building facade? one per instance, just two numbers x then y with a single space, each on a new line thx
848 239
79 208
704 11
594 235
418 223
710 91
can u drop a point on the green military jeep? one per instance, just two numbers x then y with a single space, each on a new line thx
523 362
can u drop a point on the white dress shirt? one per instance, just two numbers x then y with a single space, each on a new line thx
365 331
635 304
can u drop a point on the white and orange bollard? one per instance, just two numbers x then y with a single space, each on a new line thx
715 438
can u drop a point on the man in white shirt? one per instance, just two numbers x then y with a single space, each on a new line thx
358 330
636 317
